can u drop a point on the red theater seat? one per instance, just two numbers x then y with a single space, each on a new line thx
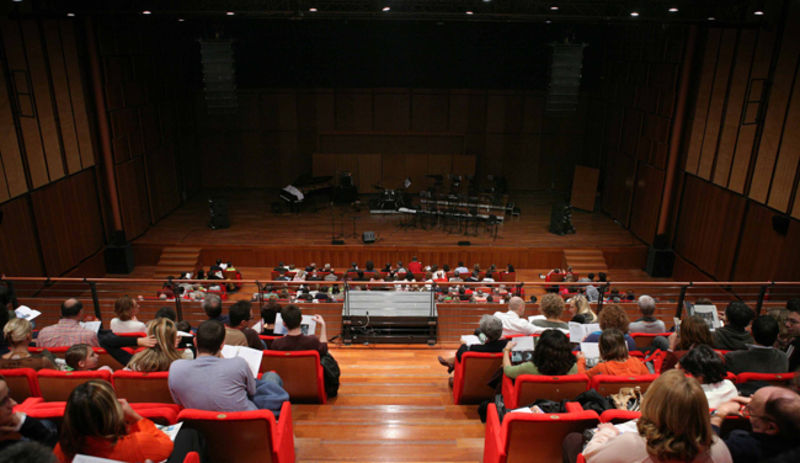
471 375
300 371
57 385
22 383
776 379
618 416
135 386
645 339
606 385
244 437
526 389
159 413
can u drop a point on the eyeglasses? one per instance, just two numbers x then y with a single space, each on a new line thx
793 321
748 412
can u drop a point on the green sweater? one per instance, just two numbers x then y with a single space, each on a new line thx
528 368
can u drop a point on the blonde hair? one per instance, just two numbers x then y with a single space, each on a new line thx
551 305
17 330
92 411
160 356
583 307
675 421
123 307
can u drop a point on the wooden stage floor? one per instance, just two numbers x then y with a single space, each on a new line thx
253 224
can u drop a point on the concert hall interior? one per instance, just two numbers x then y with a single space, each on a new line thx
173 150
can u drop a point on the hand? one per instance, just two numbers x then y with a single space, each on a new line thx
319 319
732 407
510 345
673 340
579 355
148 341
608 427
130 415
11 424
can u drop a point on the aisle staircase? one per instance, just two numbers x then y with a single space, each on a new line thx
177 259
585 260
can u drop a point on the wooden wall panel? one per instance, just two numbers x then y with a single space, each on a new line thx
19 254
785 174
766 255
353 110
14 183
458 111
708 226
704 91
68 221
733 113
369 169
133 197
430 110
392 110
647 195
77 96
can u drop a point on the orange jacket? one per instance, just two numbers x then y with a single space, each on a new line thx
631 367
143 441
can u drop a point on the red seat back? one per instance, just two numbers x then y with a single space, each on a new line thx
471 376
58 385
608 384
529 388
776 379
135 386
54 411
300 371
22 383
643 340
619 416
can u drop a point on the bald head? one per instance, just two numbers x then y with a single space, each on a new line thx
775 410
516 304
71 308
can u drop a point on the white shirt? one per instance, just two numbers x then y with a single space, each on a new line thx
462 271
127 326
719 393
513 324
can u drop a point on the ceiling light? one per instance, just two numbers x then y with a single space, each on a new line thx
711 18
313 10
229 13
758 13
635 14
17 1
180 20
673 10
486 1
468 12
547 21
71 15
554 8
386 8
146 12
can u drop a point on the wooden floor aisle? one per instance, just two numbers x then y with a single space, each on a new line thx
394 404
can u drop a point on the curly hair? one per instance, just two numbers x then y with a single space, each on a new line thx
553 355
675 422
613 316
704 363
551 305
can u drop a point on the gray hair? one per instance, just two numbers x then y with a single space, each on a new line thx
492 327
211 301
647 305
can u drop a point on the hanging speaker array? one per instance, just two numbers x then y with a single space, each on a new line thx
219 76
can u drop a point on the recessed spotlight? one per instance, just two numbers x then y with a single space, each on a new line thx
468 12
229 13
547 21
635 14
487 1
147 12
386 8
673 10
711 18
758 13
180 20
17 1
70 15
313 10
554 8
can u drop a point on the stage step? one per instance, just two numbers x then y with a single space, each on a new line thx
583 260
175 260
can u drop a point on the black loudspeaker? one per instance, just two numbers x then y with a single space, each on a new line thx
780 223
561 219
464 243
368 237
119 258
218 210
659 262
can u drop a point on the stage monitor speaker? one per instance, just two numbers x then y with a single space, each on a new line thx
218 210
780 223
659 262
561 219
119 258
368 237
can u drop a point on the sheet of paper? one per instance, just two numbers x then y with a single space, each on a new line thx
523 344
184 334
79 458
94 326
170 430
308 325
26 312
470 339
536 317
258 326
251 356
578 331
591 350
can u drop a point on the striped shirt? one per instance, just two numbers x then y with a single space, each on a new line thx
67 332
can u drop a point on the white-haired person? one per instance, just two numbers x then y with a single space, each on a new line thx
648 323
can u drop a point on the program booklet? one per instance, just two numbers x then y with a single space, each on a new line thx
251 356
307 325
707 313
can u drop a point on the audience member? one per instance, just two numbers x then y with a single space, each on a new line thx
614 357
415 266
512 320
760 357
98 424
551 306
734 336
793 329
5 309
295 339
18 334
461 269
781 314
708 368
693 331
612 316
82 357
580 310
240 315
648 323
160 356
551 357
126 310
774 414
211 382
674 426
212 306
490 331
16 425
68 330
27 452
268 315
167 312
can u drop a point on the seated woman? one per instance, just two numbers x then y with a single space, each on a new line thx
612 316
581 310
492 329
693 332
551 306
674 426
551 357
708 368
18 334
268 314
126 322
614 357
96 423
160 356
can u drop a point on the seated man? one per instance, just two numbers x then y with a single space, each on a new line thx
295 339
512 320
774 414
240 315
734 336
212 306
14 425
211 382
68 330
648 323
760 357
